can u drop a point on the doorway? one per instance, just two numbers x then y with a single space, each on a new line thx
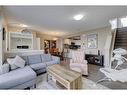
50 46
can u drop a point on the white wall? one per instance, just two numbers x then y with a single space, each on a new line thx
102 33
108 49
59 44
38 47
102 36
104 41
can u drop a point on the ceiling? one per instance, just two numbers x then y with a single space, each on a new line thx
58 20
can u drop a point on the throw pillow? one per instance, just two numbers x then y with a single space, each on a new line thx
10 61
4 69
19 62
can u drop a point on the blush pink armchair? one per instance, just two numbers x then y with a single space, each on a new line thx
78 62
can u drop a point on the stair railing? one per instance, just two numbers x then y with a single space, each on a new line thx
112 45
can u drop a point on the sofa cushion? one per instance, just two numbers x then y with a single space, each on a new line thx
42 57
16 77
55 58
33 59
51 63
19 62
46 57
38 66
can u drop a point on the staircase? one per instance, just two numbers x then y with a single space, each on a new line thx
121 38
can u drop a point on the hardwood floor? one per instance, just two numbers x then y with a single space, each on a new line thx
95 75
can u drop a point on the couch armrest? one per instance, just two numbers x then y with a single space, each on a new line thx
85 61
71 61
55 58
4 68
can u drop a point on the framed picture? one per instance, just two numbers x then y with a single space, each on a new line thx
92 41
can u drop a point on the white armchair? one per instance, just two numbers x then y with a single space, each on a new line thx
78 62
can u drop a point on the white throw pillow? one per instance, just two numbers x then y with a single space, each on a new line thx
19 62
10 61
4 69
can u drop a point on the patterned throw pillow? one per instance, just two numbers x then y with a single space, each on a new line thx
19 62
16 62
10 61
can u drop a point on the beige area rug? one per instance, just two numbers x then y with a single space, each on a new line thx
51 85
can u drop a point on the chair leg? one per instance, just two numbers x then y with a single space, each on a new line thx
34 86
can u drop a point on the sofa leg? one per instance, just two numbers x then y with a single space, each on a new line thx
85 75
28 88
34 86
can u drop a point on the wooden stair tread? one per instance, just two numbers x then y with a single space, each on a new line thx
121 38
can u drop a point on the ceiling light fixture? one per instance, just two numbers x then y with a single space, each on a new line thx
78 17
55 38
23 25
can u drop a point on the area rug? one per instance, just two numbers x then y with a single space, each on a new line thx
51 85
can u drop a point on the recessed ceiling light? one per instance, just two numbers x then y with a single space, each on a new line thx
23 25
55 38
78 17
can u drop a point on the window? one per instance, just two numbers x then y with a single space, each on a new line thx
123 22
113 23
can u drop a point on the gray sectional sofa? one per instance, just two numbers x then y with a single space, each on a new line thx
22 78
